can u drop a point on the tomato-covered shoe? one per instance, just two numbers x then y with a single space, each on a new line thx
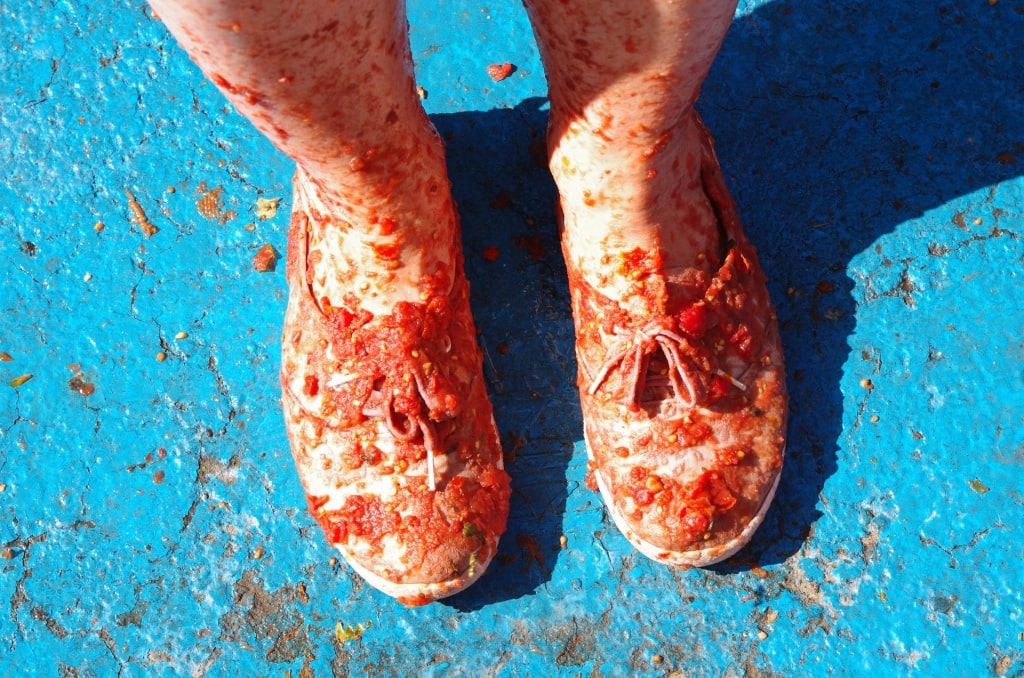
683 393
387 413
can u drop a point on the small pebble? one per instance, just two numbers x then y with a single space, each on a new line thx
87 277
181 335
161 356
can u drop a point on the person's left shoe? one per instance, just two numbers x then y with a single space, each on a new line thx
685 410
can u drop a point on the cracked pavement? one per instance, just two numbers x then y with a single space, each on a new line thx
152 522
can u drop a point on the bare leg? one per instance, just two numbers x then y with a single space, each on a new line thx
676 340
383 392
330 82
624 144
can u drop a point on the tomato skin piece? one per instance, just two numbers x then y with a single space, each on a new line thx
695 524
642 496
719 388
265 259
499 72
743 342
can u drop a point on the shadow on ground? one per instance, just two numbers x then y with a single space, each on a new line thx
835 123
520 302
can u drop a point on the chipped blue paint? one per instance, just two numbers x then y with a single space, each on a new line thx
876 156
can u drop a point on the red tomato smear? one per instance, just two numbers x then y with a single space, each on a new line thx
387 251
532 245
532 548
692 431
694 321
316 502
433 520
729 457
311 385
252 97
704 497
638 262
502 201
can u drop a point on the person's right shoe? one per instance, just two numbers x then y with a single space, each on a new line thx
388 417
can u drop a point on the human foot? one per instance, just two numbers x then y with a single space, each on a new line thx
638 223
681 377
386 408
680 370
384 397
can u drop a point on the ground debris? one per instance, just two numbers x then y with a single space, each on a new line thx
265 259
211 204
138 216
266 208
344 633
499 72
269 616
579 646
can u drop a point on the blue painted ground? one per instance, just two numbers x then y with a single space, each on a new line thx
152 524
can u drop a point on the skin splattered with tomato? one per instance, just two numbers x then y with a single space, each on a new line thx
383 392
686 471
390 426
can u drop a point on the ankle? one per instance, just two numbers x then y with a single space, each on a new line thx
636 216
366 251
